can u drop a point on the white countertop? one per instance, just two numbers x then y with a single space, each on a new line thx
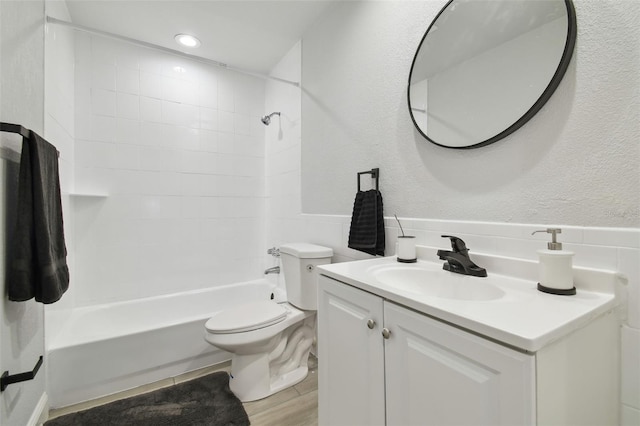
524 317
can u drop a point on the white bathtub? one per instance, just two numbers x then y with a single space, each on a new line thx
103 349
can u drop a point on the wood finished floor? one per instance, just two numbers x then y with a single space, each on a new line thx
295 406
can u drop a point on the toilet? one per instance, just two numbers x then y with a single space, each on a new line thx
270 341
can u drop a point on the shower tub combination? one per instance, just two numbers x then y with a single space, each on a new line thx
103 349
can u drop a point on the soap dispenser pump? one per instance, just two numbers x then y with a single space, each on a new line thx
555 267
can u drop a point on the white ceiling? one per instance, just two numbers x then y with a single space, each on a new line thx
249 34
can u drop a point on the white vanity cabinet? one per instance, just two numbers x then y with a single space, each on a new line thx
351 382
381 363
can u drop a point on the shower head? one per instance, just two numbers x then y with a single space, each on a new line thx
267 118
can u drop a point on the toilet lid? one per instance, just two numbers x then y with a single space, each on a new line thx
247 317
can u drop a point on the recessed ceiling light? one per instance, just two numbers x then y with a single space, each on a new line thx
187 40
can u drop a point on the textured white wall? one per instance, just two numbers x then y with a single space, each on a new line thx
21 102
576 162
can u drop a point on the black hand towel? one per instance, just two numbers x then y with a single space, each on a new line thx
37 260
367 223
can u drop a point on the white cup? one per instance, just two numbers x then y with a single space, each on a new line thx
406 248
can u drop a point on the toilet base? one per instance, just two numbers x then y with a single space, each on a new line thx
257 376
290 379
254 389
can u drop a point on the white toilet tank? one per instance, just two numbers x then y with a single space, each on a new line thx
299 261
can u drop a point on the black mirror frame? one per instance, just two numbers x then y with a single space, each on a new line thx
538 104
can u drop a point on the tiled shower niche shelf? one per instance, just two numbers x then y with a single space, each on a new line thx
88 195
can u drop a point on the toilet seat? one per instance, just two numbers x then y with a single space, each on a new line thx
247 317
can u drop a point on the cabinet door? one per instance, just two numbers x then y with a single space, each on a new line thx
437 374
350 356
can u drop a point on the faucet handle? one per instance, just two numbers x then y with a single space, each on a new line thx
274 251
457 244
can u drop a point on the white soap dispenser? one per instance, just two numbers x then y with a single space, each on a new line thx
555 267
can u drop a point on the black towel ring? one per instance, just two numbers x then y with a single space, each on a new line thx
375 174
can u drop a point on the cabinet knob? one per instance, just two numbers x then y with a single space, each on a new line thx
386 333
371 323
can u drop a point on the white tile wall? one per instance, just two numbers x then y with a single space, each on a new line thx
631 368
184 211
103 102
128 80
59 124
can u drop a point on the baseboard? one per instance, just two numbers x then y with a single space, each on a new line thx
40 412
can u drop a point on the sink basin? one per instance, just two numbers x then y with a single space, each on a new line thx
507 309
431 280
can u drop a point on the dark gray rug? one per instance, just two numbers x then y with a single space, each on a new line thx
206 401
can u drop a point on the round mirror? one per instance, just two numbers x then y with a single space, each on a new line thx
485 67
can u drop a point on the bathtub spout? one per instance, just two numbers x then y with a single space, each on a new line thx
274 270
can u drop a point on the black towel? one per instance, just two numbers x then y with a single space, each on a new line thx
367 223
38 256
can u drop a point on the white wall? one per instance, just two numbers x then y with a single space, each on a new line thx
59 128
353 120
575 163
21 102
283 142
178 146
59 120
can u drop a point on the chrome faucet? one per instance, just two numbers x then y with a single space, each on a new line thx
274 270
458 261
